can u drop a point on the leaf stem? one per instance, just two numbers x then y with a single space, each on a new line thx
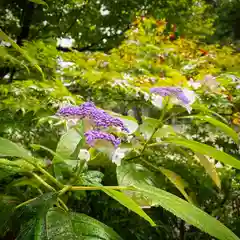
77 188
43 182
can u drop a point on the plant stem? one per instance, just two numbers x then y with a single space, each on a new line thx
157 127
25 203
43 182
77 188
63 204
64 190
53 179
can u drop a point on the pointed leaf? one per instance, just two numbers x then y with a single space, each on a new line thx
39 2
6 38
68 143
226 129
35 228
129 174
177 181
11 149
188 212
129 203
206 150
74 226
210 169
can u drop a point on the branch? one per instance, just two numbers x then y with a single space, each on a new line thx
90 46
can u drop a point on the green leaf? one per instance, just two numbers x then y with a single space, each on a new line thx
148 126
177 181
205 109
206 150
68 143
226 129
6 38
74 226
188 212
131 173
129 203
210 169
11 149
130 123
39 2
37 209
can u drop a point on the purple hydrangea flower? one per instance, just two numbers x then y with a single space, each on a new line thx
171 91
93 135
88 110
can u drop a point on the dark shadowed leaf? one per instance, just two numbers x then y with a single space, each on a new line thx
74 226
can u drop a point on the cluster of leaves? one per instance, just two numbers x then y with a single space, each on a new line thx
161 163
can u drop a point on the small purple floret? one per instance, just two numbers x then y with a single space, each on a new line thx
171 91
93 135
88 110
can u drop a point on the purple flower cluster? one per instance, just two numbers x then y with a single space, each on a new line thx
171 91
88 110
93 135
98 117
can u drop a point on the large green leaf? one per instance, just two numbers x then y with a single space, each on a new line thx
210 169
188 212
226 129
177 181
36 210
74 226
129 203
6 38
206 150
68 143
11 149
130 174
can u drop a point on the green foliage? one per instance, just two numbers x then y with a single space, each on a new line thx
65 188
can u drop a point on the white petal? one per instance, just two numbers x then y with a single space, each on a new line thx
119 154
157 101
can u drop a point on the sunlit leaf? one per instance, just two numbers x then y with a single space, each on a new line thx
226 129
39 2
179 183
6 38
210 169
129 203
206 150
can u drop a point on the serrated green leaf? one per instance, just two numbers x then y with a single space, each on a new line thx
74 226
188 212
177 181
6 38
210 169
128 203
205 150
226 129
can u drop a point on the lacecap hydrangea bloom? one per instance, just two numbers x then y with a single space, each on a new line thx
180 96
98 117
93 135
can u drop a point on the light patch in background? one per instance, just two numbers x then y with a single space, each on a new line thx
104 11
65 42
